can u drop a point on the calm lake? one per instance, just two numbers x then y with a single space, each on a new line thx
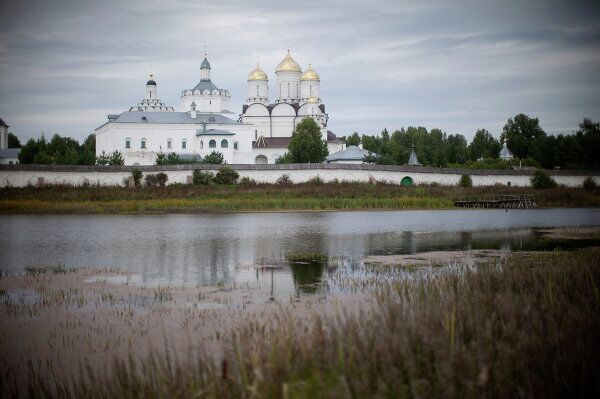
225 248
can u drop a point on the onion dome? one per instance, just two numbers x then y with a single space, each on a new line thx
151 82
310 74
257 74
288 64
205 64
313 100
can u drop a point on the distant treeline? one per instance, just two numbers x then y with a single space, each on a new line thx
527 141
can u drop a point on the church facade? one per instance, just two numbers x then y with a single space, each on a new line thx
205 122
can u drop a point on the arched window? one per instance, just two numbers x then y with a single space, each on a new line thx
184 144
261 160
235 145
211 119
127 143
201 144
169 144
224 143
143 144
212 144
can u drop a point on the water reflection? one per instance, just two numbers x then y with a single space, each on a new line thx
213 249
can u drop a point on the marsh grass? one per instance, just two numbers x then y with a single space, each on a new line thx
265 197
525 326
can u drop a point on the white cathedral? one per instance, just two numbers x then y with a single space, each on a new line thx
205 123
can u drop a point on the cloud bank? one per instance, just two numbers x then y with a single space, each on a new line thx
457 66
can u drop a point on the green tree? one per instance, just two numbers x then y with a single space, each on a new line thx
306 144
522 135
353 139
214 157
484 145
103 159
285 158
31 149
456 149
13 141
88 151
116 158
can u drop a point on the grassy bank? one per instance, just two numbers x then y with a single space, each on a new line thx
527 326
239 198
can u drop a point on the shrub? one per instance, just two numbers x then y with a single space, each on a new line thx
589 183
159 179
284 180
226 175
202 178
316 181
246 181
215 158
137 176
541 179
465 181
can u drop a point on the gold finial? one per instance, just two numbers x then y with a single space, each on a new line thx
205 51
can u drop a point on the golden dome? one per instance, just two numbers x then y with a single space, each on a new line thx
288 64
313 100
257 74
310 74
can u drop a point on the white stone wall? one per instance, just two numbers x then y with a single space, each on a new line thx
14 177
288 86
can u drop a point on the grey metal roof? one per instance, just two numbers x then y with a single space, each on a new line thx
205 64
412 159
205 84
172 117
2 123
10 152
213 132
505 152
352 153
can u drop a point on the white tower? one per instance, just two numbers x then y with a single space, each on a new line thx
288 80
310 83
258 86
205 70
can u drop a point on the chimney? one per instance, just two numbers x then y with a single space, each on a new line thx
193 111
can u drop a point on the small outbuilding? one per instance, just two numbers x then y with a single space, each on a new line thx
412 159
505 153
351 154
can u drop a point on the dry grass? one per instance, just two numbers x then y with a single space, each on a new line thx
527 326
198 199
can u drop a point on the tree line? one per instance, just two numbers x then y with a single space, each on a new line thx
524 137
528 142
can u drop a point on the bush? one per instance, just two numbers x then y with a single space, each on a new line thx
465 181
137 176
215 158
200 178
589 183
284 180
226 175
541 179
316 181
159 179
246 181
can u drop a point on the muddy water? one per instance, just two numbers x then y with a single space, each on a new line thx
292 250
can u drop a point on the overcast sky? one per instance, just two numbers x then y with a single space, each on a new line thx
454 65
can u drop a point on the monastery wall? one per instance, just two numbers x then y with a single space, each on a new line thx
35 175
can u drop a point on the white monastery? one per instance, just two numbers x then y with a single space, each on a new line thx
205 122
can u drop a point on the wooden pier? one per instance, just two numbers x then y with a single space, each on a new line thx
512 201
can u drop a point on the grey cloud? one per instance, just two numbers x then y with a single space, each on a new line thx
457 66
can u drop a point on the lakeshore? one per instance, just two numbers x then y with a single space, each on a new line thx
265 197
407 327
